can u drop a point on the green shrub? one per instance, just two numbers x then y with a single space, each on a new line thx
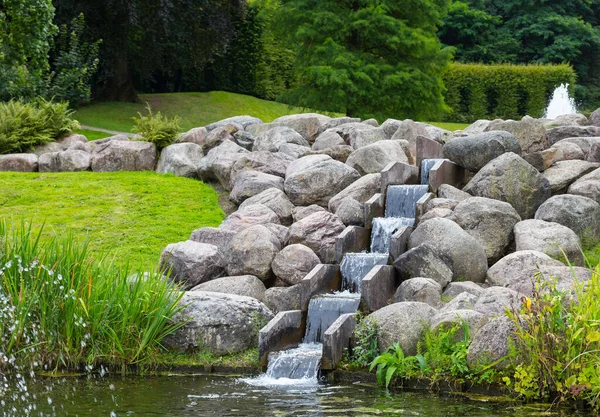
366 348
25 125
157 128
59 308
558 337
445 351
477 91
394 363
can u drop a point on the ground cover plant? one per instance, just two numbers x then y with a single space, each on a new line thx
62 306
156 128
132 215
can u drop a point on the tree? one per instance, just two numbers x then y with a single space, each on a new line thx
152 44
367 57
26 31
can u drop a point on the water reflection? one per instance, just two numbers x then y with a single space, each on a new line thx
194 396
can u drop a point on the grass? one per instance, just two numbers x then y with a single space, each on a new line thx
62 306
92 134
194 109
593 255
132 215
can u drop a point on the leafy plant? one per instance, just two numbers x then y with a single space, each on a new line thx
445 351
393 362
366 347
157 128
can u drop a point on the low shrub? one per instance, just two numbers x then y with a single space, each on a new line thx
477 91
157 128
60 308
24 125
366 348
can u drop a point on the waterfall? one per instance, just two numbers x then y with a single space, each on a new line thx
401 200
426 165
355 266
383 229
324 309
300 363
560 103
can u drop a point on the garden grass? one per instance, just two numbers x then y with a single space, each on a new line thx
130 215
194 110
593 256
92 134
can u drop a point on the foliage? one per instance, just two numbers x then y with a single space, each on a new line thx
153 45
366 348
25 125
477 91
558 335
372 58
60 308
142 211
26 31
445 353
156 128
74 65
394 362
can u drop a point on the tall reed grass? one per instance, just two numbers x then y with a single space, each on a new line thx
63 307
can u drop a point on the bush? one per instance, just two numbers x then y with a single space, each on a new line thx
157 128
74 65
477 91
59 308
25 125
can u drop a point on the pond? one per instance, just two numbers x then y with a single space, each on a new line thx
221 396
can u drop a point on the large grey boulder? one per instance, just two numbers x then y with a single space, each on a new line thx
309 125
553 239
403 323
217 136
587 186
463 301
246 285
364 137
181 159
274 163
456 288
464 254
351 212
449 319
243 121
563 132
492 343
276 200
300 212
595 118
360 190
219 162
244 139
251 183
489 221
564 173
252 251
327 140
50 147
221 323
293 263
192 263
474 152
295 151
196 135
510 178
249 216
424 290
423 261
373 158
19 162
452 193
567 151
315 179
580 214
284 298
338 152
476 127
65 161
219 237
272 139
119 155
530 132
586 144
494 301
319 232
518 269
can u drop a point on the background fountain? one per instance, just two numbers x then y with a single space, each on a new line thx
560 103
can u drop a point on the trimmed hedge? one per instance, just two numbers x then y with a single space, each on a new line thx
477 91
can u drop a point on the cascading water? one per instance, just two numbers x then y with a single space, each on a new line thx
401 200
355 266
560 103
324 309
426 166
383 229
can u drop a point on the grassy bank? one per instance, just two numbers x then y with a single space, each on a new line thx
130 215
194 109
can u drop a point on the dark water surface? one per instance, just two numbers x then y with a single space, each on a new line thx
221 396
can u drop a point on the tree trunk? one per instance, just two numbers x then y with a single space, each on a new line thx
119 85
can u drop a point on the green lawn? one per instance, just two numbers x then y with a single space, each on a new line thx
131 215
92 134
194 109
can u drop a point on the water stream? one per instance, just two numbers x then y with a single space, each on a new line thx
401 200
426 166
355 266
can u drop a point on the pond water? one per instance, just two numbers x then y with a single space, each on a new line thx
221 396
